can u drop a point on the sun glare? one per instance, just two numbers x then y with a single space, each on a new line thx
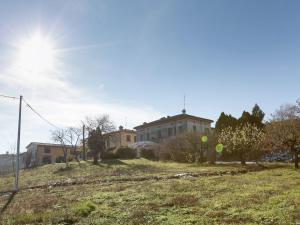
36 53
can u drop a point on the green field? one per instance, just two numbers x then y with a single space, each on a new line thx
129 192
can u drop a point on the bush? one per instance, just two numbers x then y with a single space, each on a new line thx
83 209
187 147
182 148
148 154
108 155
125 153
60 159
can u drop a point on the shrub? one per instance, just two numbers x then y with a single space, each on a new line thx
188 147
125 153
182 148
83 209
148 154
108 155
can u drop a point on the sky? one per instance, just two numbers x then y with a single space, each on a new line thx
135 60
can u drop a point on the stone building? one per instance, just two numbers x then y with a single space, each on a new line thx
120 138
169 126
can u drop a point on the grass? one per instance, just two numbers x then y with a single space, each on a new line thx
270 196
111 169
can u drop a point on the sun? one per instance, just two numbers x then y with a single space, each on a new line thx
36 53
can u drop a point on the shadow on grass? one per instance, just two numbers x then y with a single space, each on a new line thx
110 162
64 169
144 168
10 198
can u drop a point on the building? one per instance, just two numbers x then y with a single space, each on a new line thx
169 126
120 138
44 153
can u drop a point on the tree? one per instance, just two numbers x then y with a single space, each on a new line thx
96 143
245 118
283 131
257 116
244 140
60 136
99 129
72 138
225 121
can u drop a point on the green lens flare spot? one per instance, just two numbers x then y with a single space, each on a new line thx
204 138
219 148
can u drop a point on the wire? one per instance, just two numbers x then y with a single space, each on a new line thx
7 96
39 115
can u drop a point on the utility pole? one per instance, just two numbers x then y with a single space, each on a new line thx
83 142
18 146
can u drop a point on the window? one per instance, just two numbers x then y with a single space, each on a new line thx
141 137
148 136
180 129
194 128
46 149
170 131
134 138
128 138
159 134
47 159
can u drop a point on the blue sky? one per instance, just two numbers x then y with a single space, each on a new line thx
136 59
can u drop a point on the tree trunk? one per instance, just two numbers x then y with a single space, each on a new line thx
66 158
95 160
296 159
243 161
96 157
213 157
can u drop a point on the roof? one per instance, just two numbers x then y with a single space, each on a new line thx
173 118
47 144
118 131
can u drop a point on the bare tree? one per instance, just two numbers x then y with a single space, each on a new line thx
102 121
59 136
72 137
283 131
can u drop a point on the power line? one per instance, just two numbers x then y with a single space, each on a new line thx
7 96
39 115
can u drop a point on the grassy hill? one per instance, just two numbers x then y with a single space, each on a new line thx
146 192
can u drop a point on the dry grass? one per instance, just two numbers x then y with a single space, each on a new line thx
270 196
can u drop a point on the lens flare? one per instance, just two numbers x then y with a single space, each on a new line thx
219 148
204 138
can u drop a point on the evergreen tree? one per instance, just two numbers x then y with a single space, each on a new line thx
96 143
225 121
245 118
257 116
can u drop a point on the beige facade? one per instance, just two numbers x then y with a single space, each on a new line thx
169 126
44 153
120 138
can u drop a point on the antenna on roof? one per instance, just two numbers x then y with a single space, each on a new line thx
184 110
